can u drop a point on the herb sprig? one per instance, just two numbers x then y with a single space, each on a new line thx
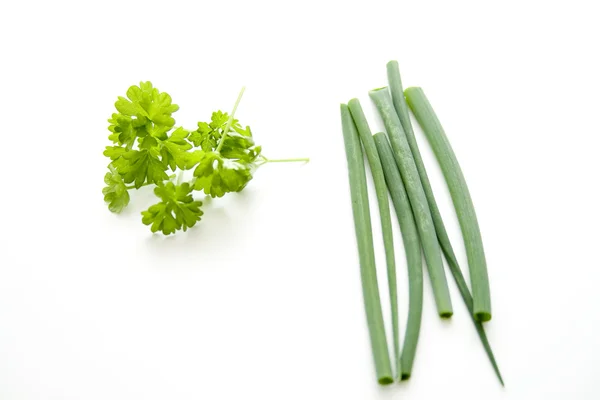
146 145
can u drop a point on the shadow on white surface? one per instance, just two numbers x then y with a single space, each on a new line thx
224 225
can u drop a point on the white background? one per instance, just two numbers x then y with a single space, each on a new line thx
262 299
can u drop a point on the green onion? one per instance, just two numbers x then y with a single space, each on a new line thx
466 295
402 109
412 248
419 104
364 239
418 201
386 220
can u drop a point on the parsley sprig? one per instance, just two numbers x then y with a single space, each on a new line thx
146 145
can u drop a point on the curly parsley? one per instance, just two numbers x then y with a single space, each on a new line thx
146 143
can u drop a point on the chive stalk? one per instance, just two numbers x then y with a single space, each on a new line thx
463 204
381 190
412 248
397 92
364 239
418 201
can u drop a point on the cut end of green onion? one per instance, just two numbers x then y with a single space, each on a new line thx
378 89
386 380
405 376
411 89
446 315
483 316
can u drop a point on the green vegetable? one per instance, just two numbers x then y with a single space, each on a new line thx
115 192
412 247
466 295
146 144
418 201
419 104
402 111
177 210
386 221
364 239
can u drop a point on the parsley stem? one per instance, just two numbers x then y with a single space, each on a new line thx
267 160
230 120
134 187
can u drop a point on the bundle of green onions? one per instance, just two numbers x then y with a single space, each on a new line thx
399 172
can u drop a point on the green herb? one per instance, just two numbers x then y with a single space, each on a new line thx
177 210
115 192
386 221
412 247
419 104
397 92
418 201
146 144
364 238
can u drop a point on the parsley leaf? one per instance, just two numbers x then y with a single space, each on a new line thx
204 137
174 149
145 111
177 210
217 175
237 145
241 147
126 129
146 101
115 192
207 135
141 166
114 152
